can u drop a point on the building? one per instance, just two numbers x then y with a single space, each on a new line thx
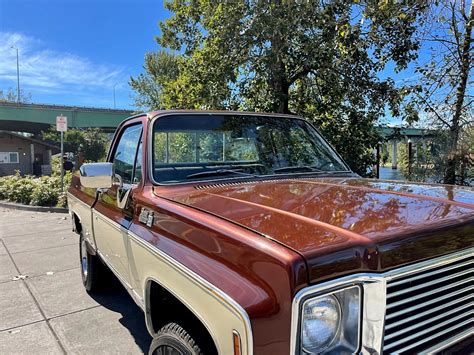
28 155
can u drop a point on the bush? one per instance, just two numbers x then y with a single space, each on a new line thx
44 195
42 191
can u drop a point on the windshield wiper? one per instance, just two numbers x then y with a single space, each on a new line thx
219 172
307 168
297 168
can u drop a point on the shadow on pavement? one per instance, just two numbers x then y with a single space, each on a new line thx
117 299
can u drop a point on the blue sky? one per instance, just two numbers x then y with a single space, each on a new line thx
73 52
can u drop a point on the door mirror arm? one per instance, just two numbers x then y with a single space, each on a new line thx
123 192
119 179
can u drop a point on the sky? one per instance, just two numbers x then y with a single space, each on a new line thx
73 52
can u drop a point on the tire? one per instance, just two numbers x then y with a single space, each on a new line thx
172 339
92 269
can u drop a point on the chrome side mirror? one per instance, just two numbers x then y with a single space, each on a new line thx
96 175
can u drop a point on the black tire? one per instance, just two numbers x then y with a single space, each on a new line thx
92 270
172 339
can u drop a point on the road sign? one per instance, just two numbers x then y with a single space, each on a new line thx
61 123
61 126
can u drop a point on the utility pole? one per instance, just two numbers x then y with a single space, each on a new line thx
17 73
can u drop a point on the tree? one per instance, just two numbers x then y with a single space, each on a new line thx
161 70
319 59
91 141
447 96
11 96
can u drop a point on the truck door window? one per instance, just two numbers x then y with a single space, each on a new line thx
126 151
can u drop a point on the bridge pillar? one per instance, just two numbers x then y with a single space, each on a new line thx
394 154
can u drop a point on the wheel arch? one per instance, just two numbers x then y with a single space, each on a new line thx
76 223
153 298
78 229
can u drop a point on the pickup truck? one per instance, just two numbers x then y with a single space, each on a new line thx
246 233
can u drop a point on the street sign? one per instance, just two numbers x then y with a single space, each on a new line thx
61 123
61 126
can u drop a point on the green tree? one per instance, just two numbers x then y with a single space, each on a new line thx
91 141
447 94
161 70
319 59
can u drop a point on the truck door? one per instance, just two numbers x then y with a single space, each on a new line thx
111 215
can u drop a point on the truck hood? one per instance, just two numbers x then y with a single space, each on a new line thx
341 224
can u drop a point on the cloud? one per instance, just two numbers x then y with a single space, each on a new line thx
42 69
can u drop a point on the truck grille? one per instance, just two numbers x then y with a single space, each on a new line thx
430 307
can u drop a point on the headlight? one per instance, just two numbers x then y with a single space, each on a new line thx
321 321
330 322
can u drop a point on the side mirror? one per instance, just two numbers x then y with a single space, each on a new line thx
96 175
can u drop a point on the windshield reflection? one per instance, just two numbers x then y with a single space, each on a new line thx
209 146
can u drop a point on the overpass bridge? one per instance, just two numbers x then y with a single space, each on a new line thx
34 118
394 135
400 133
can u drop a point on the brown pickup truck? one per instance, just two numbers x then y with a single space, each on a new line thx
245 233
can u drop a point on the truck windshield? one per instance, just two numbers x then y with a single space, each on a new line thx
211 146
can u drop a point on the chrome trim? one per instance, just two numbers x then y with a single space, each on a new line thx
149 149
236 333
429 311
410 273
430 283
96 175
428 321
449 342
444 331
373 290
84 268
420 305
374 305
427 293
223 297
452 267
428 264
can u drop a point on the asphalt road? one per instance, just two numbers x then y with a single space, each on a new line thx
48 311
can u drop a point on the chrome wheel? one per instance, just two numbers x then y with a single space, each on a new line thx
84 259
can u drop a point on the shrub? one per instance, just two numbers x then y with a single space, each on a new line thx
44 195
42 191
16 188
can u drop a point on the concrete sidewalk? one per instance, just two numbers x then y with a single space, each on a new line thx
49 311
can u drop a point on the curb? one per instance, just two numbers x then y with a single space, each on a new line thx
17 206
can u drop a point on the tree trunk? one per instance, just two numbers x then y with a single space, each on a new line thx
453 158
278 76
281 90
